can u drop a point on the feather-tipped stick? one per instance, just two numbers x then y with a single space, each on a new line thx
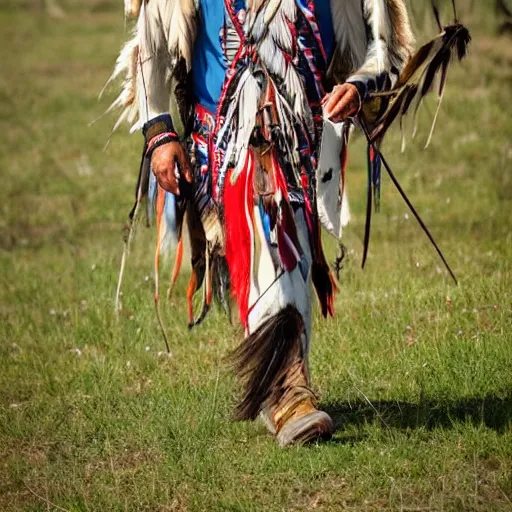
408 202
368 222
437 16
140 192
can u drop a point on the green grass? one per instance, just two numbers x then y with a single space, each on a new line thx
417 373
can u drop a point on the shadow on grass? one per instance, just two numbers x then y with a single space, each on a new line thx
492 411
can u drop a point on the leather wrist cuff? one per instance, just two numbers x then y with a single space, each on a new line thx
157 126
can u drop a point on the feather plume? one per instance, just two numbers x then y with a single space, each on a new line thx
378 21
182 29
432 60
350 33
417 79
163 37
132 8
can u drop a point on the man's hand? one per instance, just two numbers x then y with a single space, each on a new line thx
344 101
169 162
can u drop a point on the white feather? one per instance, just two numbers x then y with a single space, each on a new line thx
349 29
233 105
248 109
272 56
165 31
181 21
375 11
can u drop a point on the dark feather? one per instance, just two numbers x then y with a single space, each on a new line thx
321 274
410 94
141 189
198 255
502 8
436 15
220 282
368 223
415 63
432 60
325 286
455 17
409 204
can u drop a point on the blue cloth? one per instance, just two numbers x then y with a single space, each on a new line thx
209 64
324 20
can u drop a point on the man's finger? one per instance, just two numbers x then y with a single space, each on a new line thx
173 179
164 182
344 109
325 98
346 104
332 101
344 101
169 184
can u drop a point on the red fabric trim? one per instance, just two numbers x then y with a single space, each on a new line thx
238 205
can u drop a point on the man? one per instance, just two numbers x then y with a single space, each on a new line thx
251 82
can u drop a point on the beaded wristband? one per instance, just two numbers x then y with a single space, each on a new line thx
160 140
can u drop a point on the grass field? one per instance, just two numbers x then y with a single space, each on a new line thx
416 372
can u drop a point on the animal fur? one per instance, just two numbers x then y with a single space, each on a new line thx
263 360
372 36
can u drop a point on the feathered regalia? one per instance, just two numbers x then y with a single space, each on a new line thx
427 68
269 169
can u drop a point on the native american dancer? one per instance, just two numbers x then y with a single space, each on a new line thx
246 108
